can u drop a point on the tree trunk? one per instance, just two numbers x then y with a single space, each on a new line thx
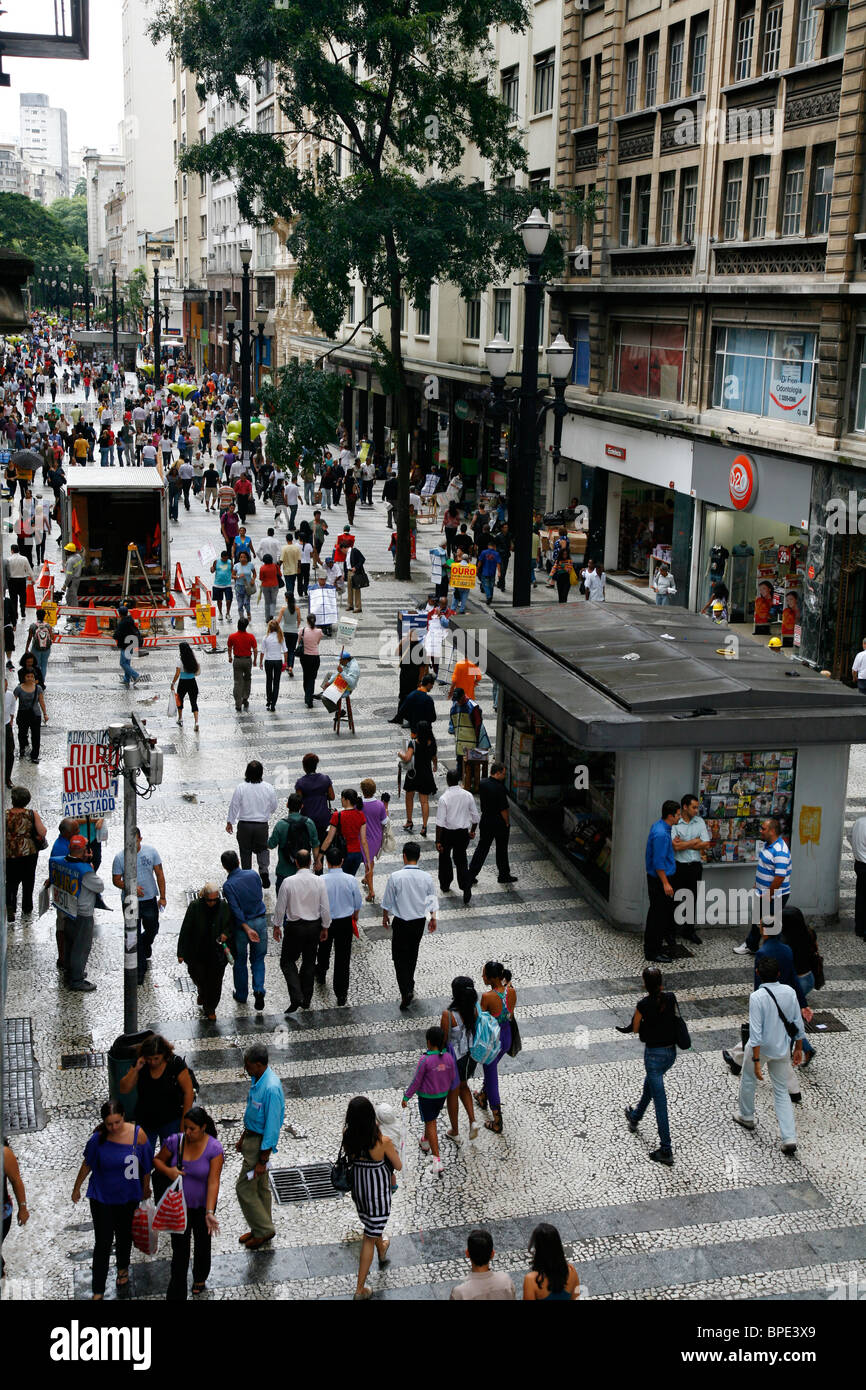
403 559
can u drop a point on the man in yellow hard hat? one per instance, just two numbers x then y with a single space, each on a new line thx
72 569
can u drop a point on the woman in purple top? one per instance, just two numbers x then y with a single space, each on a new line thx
200 1163
435 1075
118 1157
376 813
317 790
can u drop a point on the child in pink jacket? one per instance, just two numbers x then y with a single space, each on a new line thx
435 1076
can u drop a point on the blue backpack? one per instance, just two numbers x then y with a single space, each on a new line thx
485 1042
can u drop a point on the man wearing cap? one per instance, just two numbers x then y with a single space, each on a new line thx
348 668
72 570
75 888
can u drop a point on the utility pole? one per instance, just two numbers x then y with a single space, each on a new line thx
157 345
114 346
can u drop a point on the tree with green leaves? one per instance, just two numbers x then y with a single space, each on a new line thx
26 226
302 403
72 213
138 293
393 92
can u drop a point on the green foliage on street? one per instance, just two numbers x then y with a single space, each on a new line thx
138 296
29 228
302 404
396 127
72 213
80 190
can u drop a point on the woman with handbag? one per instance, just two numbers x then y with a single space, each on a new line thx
289 618
458 1026
196 1157
118 1156
26 836
419 759
272 657
352 493
498 1000
655 1022
563 570
375 814
372 1159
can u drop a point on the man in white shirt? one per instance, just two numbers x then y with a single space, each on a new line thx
237 468
857 838
347 458
409 897
483 1284
456 820
664 585
689 833
251 807
303 908
415 500
594 581
292 495
769 1006
858 669
167 449
18 571
169 420
148 454
290 560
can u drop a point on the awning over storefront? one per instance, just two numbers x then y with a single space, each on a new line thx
575 667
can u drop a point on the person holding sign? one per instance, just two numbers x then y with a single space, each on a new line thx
75 888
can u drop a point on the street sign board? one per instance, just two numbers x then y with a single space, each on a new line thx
463 576
89 784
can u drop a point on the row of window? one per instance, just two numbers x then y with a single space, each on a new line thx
543 85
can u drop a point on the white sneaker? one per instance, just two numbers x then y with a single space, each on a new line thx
747 1124
741 950
424 1144
473 1130
437 1167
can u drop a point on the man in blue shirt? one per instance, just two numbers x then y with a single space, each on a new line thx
242 891
660 869
263 1120
344 900
151 896
488 566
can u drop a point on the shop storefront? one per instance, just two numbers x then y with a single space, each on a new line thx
754 535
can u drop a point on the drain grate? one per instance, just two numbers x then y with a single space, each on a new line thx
384 712
831 1023
305 1184
185 984
168 748
22 1100
82 1061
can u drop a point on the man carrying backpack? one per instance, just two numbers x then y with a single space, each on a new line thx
39 639
292 834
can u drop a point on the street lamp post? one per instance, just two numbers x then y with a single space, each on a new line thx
71 294
114 344
157 345
246 257
87 300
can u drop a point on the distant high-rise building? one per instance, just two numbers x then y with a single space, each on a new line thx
148 88
44 146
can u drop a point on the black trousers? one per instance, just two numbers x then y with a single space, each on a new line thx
10 747
186 484
291 644
405 942
29 723
310 668
562 580
20 871
686 879
18 593
450 541
195 1236
660 927
860 899
273 672
503 571
300 939
207 975
148 926
454 845
110 1223
303 580
253 839
340 933
491 828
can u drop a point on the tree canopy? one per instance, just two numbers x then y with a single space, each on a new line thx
302 404
26 226
72 213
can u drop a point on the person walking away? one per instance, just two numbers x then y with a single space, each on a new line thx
271 658
552 1278
118 1158
772 881
26 835
494 827
263 1120
352 493
344 902
456 823
660 863
196 1157
291 834
356 578
350 823
185 680
18 572
489 564
164 1090
40 637
290 561
311 637
504 544
289 619
372 1160
654 1021
435 1075
242 647
127 639
242 891
31 713
774 1021
303 910
458 1027
499 1000
221 569
251 807
483 1284
409 898
389 497
688 838
150 877
375 814
562 569
75 888
206 945
269 579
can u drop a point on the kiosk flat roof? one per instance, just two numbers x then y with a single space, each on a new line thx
570 664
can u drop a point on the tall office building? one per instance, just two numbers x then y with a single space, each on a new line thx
148 88
44 145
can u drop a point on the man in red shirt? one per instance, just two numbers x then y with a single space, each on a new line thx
343 545
243 493
242 647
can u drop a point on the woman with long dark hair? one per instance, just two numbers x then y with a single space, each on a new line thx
197 1157
552 1277
655 1023
458 1026
118 1156
163 1086
271 657
373 1159
563 566
289 618
185 680
420 757
499 1000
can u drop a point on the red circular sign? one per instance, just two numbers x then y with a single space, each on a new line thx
811 571
742 482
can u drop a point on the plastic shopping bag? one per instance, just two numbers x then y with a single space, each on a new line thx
171 1212
144 1237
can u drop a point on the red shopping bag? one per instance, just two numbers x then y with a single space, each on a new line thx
171 1212
144 1237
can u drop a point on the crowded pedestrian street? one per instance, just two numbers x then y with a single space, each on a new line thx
734 1218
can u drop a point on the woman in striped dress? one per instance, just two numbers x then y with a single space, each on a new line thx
373 1159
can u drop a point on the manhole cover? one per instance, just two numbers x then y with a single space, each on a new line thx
304 1184
386 712
79 1061
168 748
185 984
831 1024
21 1096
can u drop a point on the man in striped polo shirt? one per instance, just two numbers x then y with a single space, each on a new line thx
772 878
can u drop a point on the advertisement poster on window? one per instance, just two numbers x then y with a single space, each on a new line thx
789 395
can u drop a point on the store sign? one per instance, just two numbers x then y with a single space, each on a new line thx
461 410
743 482
90 786
463 576
790 399
614 451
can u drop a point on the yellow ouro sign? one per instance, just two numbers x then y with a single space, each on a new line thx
463 576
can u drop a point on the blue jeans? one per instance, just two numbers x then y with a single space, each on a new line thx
662 600
42 663
352 863
326 499
486 582
656 1060
460 600
309 489
105 457
243 599
126 667
257 952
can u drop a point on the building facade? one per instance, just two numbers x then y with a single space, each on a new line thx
102 173
148 88
44 147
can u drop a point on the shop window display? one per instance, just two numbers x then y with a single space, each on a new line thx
763 563
568 792
739 790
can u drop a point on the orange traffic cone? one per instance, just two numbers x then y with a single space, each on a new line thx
91 623
179 586
195 592
44 577
30 598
